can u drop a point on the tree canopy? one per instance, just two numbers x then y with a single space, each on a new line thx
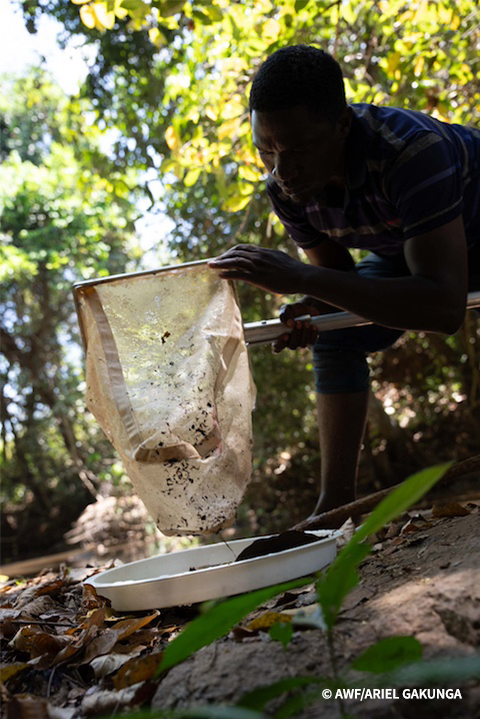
62 220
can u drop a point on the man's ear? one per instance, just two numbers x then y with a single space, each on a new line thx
344 122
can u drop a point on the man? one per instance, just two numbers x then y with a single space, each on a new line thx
400 184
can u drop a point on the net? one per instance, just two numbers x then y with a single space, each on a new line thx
168 380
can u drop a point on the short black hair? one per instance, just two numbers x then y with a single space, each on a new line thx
299 75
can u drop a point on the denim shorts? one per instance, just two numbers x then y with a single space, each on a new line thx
340 356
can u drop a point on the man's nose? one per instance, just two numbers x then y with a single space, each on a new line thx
284 169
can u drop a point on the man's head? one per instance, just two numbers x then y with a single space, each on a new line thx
300 120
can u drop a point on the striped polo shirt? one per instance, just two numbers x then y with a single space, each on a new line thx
406 174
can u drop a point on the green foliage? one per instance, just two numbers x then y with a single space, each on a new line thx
259 698
216 711
339 580
388 654
282 632
62 220
446 672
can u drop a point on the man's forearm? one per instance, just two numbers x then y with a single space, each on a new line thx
416 302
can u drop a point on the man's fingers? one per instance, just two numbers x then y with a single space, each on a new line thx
234 254
281 343
234 274
303 334
293 311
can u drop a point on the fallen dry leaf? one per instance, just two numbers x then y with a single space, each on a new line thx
107 664
347 531
91 600
410 527
105 701
34 641
10 670
267 620
138 669
94 618
120 631
451 509
27 706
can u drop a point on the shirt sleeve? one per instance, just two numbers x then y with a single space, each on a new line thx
293 217
425 184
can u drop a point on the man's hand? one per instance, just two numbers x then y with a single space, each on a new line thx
270 270
303 332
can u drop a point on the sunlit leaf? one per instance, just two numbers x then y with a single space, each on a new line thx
419 66
248 173
236 203
267 620
172 138
271 29
229 128
10 670
105 18
157 37
192 176
88 16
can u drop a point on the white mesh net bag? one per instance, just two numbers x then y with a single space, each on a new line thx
168 379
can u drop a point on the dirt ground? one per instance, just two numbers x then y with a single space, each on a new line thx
422 579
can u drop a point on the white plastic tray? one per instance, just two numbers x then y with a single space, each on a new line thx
203 573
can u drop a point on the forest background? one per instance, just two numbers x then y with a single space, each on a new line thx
161 123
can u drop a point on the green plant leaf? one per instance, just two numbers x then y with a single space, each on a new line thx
340 578
213 711
217 621
409 492
282 632
192 176
258 698
300 5
219 712
388 654
453 671
236 203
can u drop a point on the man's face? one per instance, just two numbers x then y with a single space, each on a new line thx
301 153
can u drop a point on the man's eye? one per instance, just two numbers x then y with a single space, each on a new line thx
264 153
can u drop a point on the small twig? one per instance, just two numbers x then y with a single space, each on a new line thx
50 679
41 621
75 681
